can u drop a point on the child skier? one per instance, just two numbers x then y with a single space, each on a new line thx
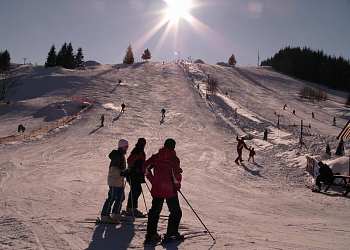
251 154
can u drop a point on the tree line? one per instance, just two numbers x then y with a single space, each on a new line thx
65 57
5 60
312 66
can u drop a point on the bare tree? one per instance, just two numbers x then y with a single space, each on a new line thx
9 82
212 86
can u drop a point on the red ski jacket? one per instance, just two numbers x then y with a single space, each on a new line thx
240 145
166 177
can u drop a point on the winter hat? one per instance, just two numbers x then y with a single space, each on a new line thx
122 143
170 144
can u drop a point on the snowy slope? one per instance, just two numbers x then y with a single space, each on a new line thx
49 182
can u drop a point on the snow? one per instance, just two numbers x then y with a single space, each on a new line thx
49 182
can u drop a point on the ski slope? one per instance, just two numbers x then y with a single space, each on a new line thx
49 182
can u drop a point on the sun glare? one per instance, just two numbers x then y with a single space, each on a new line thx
177 9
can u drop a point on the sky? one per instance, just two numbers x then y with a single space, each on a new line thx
210 30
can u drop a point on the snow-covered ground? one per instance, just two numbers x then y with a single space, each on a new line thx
49 182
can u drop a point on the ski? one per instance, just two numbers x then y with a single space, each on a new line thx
99 221
187 235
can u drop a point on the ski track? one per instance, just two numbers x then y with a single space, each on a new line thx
50 181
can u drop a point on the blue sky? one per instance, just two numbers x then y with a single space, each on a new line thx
217 29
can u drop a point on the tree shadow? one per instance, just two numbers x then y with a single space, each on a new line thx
93 131
253 172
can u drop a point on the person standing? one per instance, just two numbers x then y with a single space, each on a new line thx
240 147
102 119
116 183
166 181
123 107
334 121
135 161
328 149
265 135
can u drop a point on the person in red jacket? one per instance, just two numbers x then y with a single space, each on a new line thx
240 146
166 181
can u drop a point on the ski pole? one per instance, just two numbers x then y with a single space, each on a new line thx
144 200
197 215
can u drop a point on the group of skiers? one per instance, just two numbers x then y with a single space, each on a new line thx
165 179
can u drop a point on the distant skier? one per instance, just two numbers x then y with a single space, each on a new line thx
21 128
102 119
120 81
240 147
293 111
265 135
163 113
328 149
334 121
312 114
123 107
251 154
284 107
116 184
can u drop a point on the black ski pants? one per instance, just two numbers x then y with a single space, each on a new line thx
135 192
174 216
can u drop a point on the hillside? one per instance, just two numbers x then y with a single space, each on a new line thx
51 181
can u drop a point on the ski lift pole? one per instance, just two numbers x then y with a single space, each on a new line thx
197 216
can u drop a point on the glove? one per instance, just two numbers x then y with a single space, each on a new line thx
125 173
177 186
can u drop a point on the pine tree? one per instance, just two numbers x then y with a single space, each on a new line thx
79 58
5 60
129 56
51 57
61 54
232 61
146 55
69 59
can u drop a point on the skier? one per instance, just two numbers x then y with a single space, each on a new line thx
163 113
334 121
123 107
116 184
102 119
312 114
251 154
166 181
284 107
328 149
293 111
265 135
326 175
135 160
21 128
240 146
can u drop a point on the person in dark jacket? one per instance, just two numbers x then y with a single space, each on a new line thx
326 175
116 183
166 181
135 161
240 147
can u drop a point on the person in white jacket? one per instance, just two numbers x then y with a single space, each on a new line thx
116 183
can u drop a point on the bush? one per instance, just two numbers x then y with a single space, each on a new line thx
313 94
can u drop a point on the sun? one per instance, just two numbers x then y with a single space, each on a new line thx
177 9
